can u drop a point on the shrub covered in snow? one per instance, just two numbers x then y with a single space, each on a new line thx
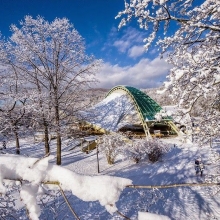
112 145
155 154
135 151
153 149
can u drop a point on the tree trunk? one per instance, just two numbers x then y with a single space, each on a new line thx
58 148
46 133
17 142
57 118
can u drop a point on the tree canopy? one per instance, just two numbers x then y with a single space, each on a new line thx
50 59
193 50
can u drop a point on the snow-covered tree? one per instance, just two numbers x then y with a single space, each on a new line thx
13 97
51 56
12 115
193 48
40 108
163 99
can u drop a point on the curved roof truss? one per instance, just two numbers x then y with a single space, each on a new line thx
145 106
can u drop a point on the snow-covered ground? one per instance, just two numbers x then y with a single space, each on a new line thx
177 166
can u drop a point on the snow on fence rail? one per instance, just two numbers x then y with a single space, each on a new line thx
31 173
171 185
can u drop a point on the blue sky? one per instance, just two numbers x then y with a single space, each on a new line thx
124 59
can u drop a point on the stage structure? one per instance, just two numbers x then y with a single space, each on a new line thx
126 108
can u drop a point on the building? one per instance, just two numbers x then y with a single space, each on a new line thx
126 108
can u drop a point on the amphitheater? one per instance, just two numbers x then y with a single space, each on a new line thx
127 109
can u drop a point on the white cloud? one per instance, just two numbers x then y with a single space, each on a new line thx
121 45
130 37
136 51
144 74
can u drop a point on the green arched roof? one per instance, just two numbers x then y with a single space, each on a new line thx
146 106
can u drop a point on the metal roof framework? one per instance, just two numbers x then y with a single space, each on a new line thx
146 107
